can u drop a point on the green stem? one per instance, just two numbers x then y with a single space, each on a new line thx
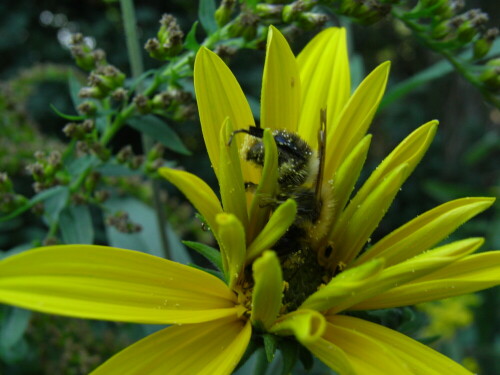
134 53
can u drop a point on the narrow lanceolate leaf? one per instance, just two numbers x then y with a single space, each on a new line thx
343 286
98 282
352 124
467 275
219 96
218 347
231 238
266 190
268 290
280 85
359 338
197 192
275 228
425 230
306 325
232 186
357 223
325 81
409 270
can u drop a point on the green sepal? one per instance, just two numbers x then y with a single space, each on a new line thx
270 345
215 273
211 254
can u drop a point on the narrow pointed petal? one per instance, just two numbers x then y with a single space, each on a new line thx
98 282
331 355
275 228
232 186
425 230
259 210
268 290
197 192
352 124
218 95
360 219
410 151
410 270
342 286
280 103
213 348
231 237
306 325
365 354
325 79
467 275
342 185
410 356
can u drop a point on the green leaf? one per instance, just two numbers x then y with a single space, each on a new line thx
55 204
148 239
290 351
76 225
74 89
206 15
135 82
191 43
67 117
40 197
270 345
13 326
213 255
159 131
252 4
217 274
79 165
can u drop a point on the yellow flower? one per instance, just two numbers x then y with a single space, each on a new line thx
318 269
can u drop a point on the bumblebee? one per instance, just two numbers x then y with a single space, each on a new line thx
300 172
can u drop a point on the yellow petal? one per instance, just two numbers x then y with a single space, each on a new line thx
259 209
331 355
275 228
218 95
355 336
197 191
325 80
467 275
360 219
98 282
213 348
231 237
268 290
306 325
409 270
363 353
343 286
280 103
232 186
410 151
425 230
343 181
345 133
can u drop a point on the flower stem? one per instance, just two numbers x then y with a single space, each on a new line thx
134 53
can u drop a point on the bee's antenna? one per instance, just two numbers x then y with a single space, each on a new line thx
254 131
321 154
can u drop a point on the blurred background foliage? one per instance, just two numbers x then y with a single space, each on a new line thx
116 204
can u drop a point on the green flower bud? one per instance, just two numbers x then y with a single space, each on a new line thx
264 10
142 103
223 12
245 25
292 11
106 78
309 21
482 46
5 184
169 40
491 75
87 108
